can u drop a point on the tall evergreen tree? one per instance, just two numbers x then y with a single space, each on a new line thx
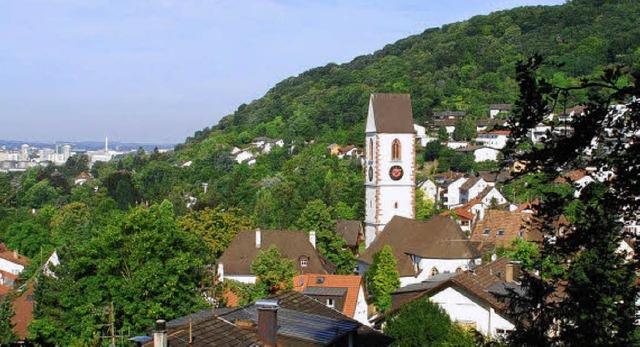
382 278
7 336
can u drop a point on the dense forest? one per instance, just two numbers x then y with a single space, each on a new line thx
141 234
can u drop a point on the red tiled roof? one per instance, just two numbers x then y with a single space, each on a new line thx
83 176
460 212
509 223
8 255
571 176
496 132
9 275
23 307
351 282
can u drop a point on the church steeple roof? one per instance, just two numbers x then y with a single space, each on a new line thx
391 113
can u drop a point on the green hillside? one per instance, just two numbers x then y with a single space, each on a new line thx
461 66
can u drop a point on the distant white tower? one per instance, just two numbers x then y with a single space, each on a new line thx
24 152
390 162
106 144
66 152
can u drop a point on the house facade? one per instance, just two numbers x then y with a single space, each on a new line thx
235 262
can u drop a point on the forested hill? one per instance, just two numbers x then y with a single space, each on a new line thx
460 66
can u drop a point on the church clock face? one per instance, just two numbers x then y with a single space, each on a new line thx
396 172
370 173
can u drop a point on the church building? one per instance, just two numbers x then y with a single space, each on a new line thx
389 162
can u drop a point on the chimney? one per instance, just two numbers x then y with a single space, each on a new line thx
509 273
220 272
312 238
160 334
16 254
267 321
258 238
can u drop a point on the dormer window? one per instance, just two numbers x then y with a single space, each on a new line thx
395 150
434 271
304 261
331 303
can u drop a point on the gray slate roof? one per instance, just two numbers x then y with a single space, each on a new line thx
325 291
310 327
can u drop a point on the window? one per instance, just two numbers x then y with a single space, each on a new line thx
500 232
304 261
395 205
370 149
331 303
434 271
395 150
486 231
521 233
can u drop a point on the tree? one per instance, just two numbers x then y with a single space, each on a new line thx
382 278
443 135
40 194
217 227
425 207
423 323
432 151
273 270
140 261
7 336
593 300
465 130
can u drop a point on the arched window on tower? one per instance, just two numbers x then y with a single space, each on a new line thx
370 149
395 150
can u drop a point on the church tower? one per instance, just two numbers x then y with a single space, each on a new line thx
389 162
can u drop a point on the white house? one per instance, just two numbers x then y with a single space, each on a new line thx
472 299
269 145
486 153
457 144
430 190
245 157
495 139
12 261
452 193
235 262
471 188
496 109
423 249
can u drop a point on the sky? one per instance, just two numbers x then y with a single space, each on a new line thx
156 71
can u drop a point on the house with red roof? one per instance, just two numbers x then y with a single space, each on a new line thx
11 261
495 139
